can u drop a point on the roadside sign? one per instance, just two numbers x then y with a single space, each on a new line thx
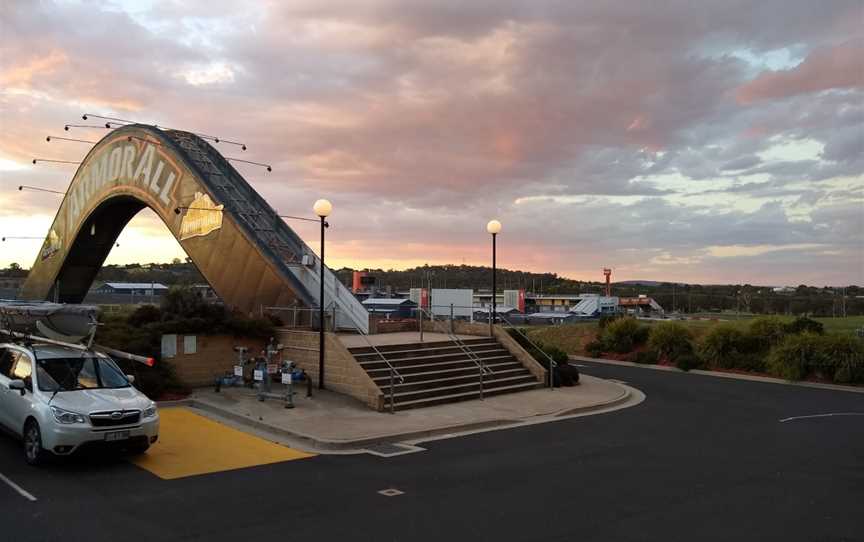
258 375
286 378
238 370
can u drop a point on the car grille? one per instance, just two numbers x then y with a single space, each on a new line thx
115 417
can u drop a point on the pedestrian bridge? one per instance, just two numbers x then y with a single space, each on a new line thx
249 255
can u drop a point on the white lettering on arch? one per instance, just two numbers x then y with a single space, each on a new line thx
145 166
128 157
116 165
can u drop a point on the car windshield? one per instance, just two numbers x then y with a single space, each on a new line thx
79 373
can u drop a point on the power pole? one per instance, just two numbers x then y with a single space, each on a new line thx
673 297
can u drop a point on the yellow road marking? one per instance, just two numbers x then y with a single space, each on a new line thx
190 444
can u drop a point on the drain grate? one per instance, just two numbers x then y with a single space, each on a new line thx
387 449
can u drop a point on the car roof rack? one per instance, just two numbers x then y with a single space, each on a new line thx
18 318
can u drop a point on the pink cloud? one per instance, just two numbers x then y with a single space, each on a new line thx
827 68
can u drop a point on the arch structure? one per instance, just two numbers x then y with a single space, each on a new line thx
249 255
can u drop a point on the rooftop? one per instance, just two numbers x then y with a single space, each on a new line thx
386 301
136 285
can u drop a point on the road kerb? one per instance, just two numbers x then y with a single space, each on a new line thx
719 374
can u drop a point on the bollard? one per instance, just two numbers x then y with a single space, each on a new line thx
288 380
308 384
451 319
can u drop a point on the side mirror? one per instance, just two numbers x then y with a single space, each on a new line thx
130 378
17 385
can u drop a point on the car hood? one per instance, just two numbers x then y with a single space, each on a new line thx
87 401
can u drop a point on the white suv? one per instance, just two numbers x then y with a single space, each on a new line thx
59 399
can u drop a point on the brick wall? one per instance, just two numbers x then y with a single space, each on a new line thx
526 359
215 356
342 372
377 325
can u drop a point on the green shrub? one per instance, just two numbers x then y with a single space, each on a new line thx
607 319
843 358
540 352
623 335
726 346
802 324
647 357
768 330
838 357
594 349
145 314
688 361
797 356
558 356
671 339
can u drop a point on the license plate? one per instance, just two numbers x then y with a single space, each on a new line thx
116 435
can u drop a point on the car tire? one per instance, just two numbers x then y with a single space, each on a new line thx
34 454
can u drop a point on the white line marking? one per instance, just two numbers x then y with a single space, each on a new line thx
18 488
392 492
822 416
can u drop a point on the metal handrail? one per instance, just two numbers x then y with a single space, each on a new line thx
393 371
464 347
552 363
483 369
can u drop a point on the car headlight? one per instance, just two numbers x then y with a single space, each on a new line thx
64 416
149 412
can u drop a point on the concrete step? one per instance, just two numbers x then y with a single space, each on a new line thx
463 396
384 377
454 380
464 363
418 346
456 356
489 382
419 352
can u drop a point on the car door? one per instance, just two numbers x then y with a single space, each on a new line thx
20 405
7 360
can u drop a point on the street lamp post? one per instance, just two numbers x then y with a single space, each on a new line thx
322 208
493 227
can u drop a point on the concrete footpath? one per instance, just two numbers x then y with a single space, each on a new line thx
333 422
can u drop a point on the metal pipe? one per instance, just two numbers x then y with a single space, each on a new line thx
321 314
451 317
494 312
392 392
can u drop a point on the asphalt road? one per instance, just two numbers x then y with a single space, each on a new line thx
702 458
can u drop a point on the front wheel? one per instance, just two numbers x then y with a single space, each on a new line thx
34 454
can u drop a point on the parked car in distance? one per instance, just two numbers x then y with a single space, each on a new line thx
59 400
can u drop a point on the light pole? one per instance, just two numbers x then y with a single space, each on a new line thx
493 227
322 208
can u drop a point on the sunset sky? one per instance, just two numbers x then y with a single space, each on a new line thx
685 140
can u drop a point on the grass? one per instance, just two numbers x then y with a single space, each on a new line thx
570 338
846 325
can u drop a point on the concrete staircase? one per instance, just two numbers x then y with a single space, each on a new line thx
440 372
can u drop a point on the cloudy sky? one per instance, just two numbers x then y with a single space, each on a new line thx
687 140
